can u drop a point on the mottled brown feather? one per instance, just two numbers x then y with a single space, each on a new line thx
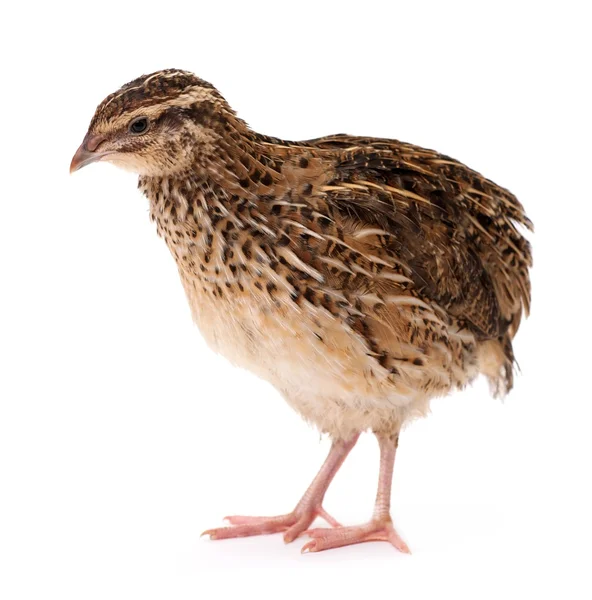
401 263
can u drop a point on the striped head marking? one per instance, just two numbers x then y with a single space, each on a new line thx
155 125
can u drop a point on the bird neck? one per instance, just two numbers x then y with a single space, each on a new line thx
209 215
240 168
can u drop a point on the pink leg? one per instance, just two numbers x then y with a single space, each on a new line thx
380 527
309 507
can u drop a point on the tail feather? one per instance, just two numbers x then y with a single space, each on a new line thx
496 362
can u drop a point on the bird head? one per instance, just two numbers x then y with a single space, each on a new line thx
156 125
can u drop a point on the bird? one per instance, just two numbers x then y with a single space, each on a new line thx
362 277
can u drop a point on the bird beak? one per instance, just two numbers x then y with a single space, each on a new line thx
87 153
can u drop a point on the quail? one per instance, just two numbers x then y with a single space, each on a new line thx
360 276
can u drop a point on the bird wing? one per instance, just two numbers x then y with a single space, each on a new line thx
455 231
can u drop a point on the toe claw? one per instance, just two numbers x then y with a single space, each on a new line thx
401 546
292 524
293 532
374 531
295 524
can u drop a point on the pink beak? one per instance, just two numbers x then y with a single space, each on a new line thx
87 153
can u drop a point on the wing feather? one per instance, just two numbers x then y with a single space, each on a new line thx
456 231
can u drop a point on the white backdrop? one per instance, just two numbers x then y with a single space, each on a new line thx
122 437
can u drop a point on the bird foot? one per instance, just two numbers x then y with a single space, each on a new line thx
374 531
292 524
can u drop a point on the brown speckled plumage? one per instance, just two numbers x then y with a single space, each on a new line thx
360 276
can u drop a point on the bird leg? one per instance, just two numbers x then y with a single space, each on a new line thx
380 527
300 519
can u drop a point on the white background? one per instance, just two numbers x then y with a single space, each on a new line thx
122 437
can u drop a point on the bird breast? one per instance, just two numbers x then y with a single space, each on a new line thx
244 303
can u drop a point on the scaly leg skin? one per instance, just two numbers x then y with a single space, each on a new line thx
299 520
380 528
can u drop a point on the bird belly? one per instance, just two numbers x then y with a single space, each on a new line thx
321 367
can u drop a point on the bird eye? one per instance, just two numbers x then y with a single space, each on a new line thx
138 126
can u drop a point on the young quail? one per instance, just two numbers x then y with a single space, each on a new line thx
360 276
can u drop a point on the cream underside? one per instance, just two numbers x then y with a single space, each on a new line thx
331 382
